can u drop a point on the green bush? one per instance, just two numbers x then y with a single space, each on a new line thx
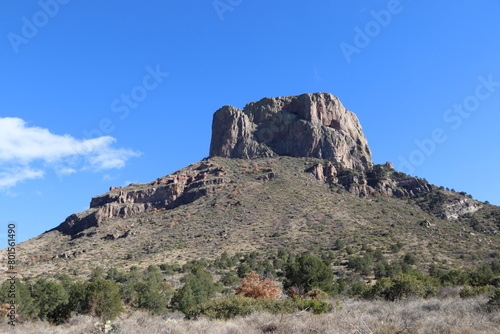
481 276
493 303
308 272
454 278
230 279
361 264
380 270
50 300
235 306
150 298
199 287
223 308
26 307
102 299
410 259
115 275
77 298
400 287
474 291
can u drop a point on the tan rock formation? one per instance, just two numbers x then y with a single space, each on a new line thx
308 125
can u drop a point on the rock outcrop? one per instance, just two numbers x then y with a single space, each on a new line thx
182 187
460 207
308 125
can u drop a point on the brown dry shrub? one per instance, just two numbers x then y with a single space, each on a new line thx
255 287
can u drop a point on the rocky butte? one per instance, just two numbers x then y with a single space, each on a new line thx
313 126
308 125
291 171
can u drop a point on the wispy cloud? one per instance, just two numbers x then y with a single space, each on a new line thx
9 177
27 151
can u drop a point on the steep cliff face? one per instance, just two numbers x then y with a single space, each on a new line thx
308 125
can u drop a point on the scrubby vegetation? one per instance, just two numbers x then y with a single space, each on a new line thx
450 315
284 283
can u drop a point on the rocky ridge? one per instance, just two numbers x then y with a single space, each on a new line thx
168 192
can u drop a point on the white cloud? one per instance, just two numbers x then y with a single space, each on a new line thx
22 147
11 176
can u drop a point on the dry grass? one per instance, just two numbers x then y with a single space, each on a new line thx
452 316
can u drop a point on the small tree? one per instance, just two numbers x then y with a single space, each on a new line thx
149 297
50 299
199 287
405 286
27 308
255 287
308 272
102 298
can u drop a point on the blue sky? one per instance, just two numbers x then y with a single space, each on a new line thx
103 93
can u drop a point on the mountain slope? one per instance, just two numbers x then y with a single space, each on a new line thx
304 185
266 204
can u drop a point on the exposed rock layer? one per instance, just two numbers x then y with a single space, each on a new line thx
182 187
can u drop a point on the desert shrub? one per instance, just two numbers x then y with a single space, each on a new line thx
495 266
493 303
481 276
50 300
410 258
102 299
224 261
308 272
26 307
469 291
380 270
97 274
393 269
150 298
114 274
268 270
454 278
235 306
193 264
170 269
361 264
435 271
199 287
357 289
230 279
243 269
339 244
222 308
65 280
255 287
349 250
399 287
378 255
404 286
396 247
